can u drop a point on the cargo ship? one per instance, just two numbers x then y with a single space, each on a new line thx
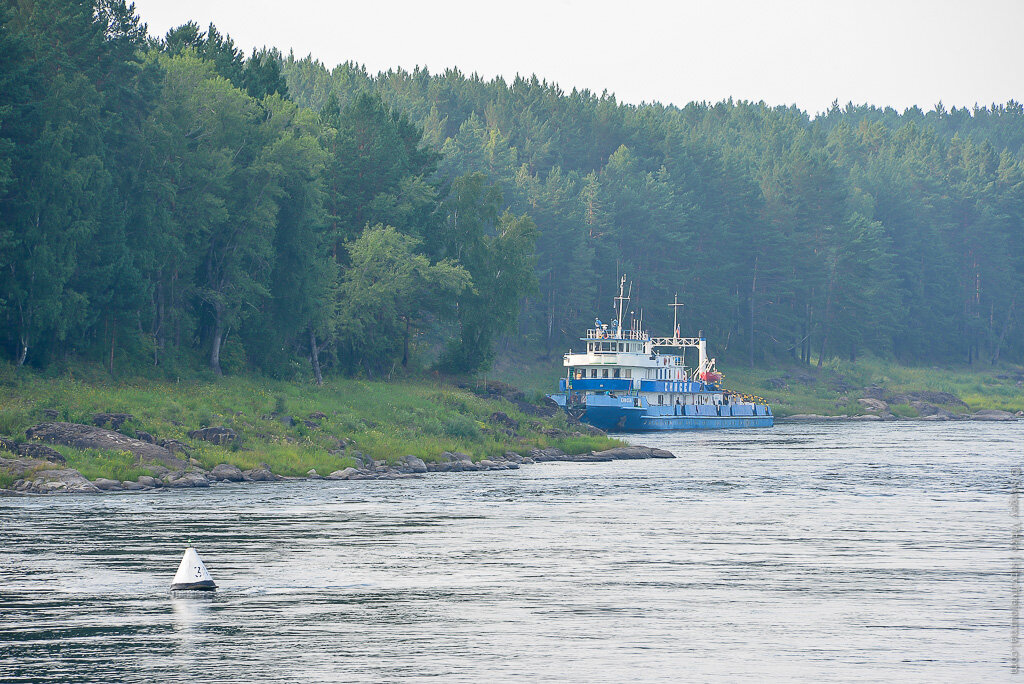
628 381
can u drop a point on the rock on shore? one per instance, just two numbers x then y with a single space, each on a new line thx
91 437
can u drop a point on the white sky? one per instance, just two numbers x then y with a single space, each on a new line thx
897 52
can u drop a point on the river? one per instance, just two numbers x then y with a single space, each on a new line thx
812 552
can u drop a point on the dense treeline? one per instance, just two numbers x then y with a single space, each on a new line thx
861 230
165 200
175 201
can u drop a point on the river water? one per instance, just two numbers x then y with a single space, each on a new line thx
814 552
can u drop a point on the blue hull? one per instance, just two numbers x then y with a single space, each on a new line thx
619 419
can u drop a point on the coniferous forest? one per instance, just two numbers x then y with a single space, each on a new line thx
176 203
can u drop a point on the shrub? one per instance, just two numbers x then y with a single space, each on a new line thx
461 427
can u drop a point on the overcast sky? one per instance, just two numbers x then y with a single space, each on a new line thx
896 52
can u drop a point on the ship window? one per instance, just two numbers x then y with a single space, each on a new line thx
604 372
593 372
629 373
622 347
661 400
616 373
590 346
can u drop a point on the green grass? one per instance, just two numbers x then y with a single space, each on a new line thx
904 411
95 463
422 417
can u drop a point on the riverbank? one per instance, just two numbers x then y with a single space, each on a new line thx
121 431
47 473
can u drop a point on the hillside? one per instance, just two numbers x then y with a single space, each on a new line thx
171 203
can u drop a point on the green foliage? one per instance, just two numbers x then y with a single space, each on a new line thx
14 420
387 291
95 463
171 205
497 251
904 411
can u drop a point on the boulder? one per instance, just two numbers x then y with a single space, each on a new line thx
22 467
225 472
89 437
52 414
114 420
501 418
261 475
345 474
942 398
874 392
411 464
65 480
313 475
488 464
130 486
635 452
614 454
8 445
549 454
873 405
175 447
992 414
147 481
185 480
317 415
41 452
146 437
107 485
215 435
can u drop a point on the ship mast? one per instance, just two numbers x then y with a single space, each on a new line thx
620 302
675 315
704 364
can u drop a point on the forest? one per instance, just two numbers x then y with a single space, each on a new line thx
174 203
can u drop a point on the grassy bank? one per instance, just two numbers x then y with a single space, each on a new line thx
384 420
830 390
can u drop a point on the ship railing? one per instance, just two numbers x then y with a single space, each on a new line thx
600 334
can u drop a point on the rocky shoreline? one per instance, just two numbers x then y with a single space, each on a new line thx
983 415
881 404
41 469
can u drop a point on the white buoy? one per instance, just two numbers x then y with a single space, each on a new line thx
192 577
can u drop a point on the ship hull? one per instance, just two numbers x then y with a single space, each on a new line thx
616 419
